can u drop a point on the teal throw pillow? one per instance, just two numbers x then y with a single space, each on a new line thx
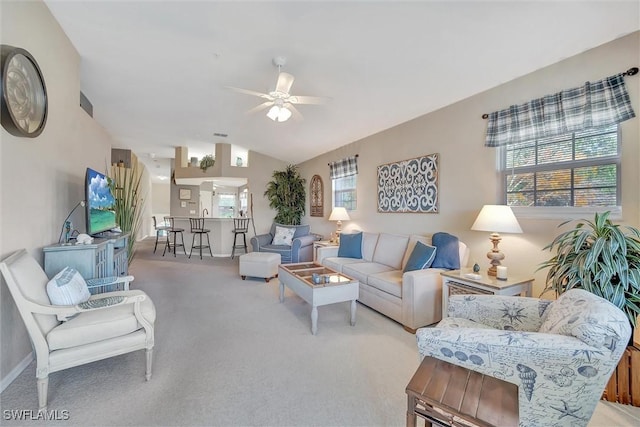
448 253
421 257
350 245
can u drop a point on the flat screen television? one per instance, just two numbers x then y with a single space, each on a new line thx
101 214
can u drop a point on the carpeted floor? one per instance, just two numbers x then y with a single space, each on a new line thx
228 353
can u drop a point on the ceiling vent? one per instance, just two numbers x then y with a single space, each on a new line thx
85 104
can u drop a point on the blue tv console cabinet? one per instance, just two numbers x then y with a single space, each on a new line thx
105 257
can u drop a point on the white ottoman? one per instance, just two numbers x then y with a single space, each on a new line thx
259 264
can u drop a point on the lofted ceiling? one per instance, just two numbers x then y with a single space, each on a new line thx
157 72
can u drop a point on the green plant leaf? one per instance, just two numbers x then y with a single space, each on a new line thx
600 257
286 194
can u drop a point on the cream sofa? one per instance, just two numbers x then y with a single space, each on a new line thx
414 298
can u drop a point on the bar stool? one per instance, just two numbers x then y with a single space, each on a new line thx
160 229
197 228
240 226
172 230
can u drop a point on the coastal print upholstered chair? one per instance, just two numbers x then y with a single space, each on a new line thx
560 353
107 325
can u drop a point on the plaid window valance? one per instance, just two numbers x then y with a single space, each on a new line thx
343 168
595 104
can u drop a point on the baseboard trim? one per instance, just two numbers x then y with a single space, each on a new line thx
4 383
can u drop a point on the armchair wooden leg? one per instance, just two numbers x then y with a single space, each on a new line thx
149 353
43 386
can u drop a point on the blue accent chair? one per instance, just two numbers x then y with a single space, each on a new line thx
301 249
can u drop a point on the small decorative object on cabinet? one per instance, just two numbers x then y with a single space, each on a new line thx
238 161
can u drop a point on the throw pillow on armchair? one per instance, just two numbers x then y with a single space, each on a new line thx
283 236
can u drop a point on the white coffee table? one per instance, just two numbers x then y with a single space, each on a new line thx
340 288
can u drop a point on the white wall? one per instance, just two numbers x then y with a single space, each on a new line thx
42 179
468 177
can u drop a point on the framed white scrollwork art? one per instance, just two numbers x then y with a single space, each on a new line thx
409 186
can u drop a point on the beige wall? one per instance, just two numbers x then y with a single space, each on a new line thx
467 178
258 174
42 179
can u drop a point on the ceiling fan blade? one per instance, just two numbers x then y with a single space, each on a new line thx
294 111
296 99
260 107
285 80
250 92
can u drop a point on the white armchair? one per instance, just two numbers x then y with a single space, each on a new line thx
107 325
560 353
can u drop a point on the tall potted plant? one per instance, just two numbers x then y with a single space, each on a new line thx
600 257
286 194
126 189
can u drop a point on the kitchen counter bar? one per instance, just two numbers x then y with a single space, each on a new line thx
220 236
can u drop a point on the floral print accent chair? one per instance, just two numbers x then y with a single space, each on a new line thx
560 353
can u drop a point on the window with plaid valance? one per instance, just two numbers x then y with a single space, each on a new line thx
593 105
343 168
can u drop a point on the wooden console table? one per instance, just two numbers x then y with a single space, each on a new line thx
450 395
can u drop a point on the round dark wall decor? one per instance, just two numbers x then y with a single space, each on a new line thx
23 94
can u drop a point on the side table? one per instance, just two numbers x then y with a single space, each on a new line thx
455 282
321 244
444 394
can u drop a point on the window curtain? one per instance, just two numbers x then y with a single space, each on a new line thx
595 104
343 168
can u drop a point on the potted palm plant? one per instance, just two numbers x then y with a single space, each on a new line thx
600 257
286 194
126 188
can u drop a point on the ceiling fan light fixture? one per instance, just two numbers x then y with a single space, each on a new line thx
279 114
284 114
273 112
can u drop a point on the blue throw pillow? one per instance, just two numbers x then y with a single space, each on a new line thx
448 254
350 245
421 257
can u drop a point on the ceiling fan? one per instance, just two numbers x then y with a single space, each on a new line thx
281 100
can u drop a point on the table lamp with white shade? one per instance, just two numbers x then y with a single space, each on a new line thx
339 214
496 219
